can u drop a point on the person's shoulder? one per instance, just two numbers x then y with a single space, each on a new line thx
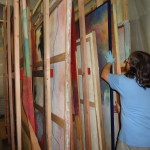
121 76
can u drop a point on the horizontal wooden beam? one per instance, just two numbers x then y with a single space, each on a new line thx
38 107
54 59
92 104
59 121
2 21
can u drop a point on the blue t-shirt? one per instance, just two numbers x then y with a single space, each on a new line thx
135 110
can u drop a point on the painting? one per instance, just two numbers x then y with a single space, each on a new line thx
98 21
60 25
96 125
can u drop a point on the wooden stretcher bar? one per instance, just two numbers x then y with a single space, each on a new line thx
54 59
59 121
85 76
92 104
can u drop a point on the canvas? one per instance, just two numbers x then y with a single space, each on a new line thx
96 126
60 25
98 21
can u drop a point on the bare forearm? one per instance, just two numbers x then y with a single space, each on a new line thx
106 71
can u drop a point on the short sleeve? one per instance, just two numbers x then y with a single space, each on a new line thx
114 81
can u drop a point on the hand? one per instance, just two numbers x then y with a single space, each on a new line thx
117 108
109 58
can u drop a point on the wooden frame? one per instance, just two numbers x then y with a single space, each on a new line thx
78 118
94 76
63 57
98 104
84 71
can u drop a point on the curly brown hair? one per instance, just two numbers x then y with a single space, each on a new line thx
140 68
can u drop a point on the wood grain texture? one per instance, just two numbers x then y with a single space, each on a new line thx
85 76
47 96
17 73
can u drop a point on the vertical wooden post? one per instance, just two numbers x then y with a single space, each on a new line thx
5 70
125 9
68 75
97 89
78 119
17 73
10 79
85 75
47 76
115 38
115 45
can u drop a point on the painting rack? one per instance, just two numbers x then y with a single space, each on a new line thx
53 75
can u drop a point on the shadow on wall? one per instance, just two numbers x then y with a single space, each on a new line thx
139 13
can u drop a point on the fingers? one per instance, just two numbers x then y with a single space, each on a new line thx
109 57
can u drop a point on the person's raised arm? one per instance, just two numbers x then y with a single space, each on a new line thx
106 70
